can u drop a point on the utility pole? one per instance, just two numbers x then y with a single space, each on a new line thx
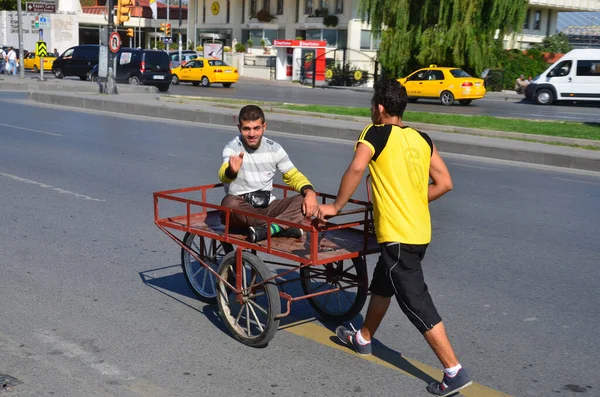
110 87
180 45
168 9
21 50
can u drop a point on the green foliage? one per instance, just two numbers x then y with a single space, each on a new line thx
239 47
87 3
249 43
457 33
330 20
556 44
11 5
343 75
515 63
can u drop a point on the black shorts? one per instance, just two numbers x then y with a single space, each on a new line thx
398 272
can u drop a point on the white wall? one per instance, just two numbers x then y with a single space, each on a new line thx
62 33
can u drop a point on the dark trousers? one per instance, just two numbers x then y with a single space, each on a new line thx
287 209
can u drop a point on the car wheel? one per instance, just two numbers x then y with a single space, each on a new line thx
465 102
205 81
163 88
412 100
175 80
36 69
226 85
196 83
83 78
58 73
447 98
544 97
133 80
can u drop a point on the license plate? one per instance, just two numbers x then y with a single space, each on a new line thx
229 71
158 77
477 84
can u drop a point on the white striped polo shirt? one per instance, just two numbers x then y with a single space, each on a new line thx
259 166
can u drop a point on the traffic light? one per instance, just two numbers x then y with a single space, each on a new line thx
168 30
123 10
163 27
130 32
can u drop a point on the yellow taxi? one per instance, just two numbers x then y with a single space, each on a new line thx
205 71
447 84
32 62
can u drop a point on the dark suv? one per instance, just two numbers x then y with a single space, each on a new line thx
76 61
147 67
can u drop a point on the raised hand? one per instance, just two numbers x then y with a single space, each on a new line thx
235 162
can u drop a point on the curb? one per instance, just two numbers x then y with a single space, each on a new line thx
77 86
482 146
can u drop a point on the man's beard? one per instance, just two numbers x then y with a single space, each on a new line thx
253 146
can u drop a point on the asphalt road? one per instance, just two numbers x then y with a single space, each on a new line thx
94 303
495 104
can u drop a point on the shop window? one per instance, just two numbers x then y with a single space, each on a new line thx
339 6
368 42
267 5
537 23
308 7
279 7
527 18
253 9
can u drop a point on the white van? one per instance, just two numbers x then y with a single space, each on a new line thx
574 77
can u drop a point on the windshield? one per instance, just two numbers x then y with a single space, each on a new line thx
459 73
217 62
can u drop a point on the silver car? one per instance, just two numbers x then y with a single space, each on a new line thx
186 55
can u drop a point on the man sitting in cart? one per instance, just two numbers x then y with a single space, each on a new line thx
248 169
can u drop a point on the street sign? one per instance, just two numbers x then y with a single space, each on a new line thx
40 49
40 7
168 40
44 22
114 42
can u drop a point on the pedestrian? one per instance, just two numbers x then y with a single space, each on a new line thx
250 162
12 61
56 54
2 60
401 160
520 84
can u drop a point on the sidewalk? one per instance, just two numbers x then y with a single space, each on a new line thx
454 141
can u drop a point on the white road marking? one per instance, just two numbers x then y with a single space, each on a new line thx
531 319
574 180
29 129
72 350
45 186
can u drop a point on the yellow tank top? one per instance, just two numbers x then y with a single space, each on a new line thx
400 181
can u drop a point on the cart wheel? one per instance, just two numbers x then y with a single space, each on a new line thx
253 320
337 306
200 280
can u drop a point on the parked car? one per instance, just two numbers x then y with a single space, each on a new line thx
186 55
32 62
574 77
147 67
76 61
446 83
206 71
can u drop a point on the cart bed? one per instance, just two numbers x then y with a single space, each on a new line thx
337 243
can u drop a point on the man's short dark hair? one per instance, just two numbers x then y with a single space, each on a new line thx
391 95
251 113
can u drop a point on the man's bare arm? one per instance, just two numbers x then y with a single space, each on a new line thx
353 175
439 174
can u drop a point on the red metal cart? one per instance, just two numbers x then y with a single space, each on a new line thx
221 266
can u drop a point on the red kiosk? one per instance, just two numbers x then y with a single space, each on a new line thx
297 59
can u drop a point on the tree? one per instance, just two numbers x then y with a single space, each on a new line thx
557 44
11 5
462 33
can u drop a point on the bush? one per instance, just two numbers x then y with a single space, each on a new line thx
200 48
249 43
515 63
330 20
344 75
239 47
